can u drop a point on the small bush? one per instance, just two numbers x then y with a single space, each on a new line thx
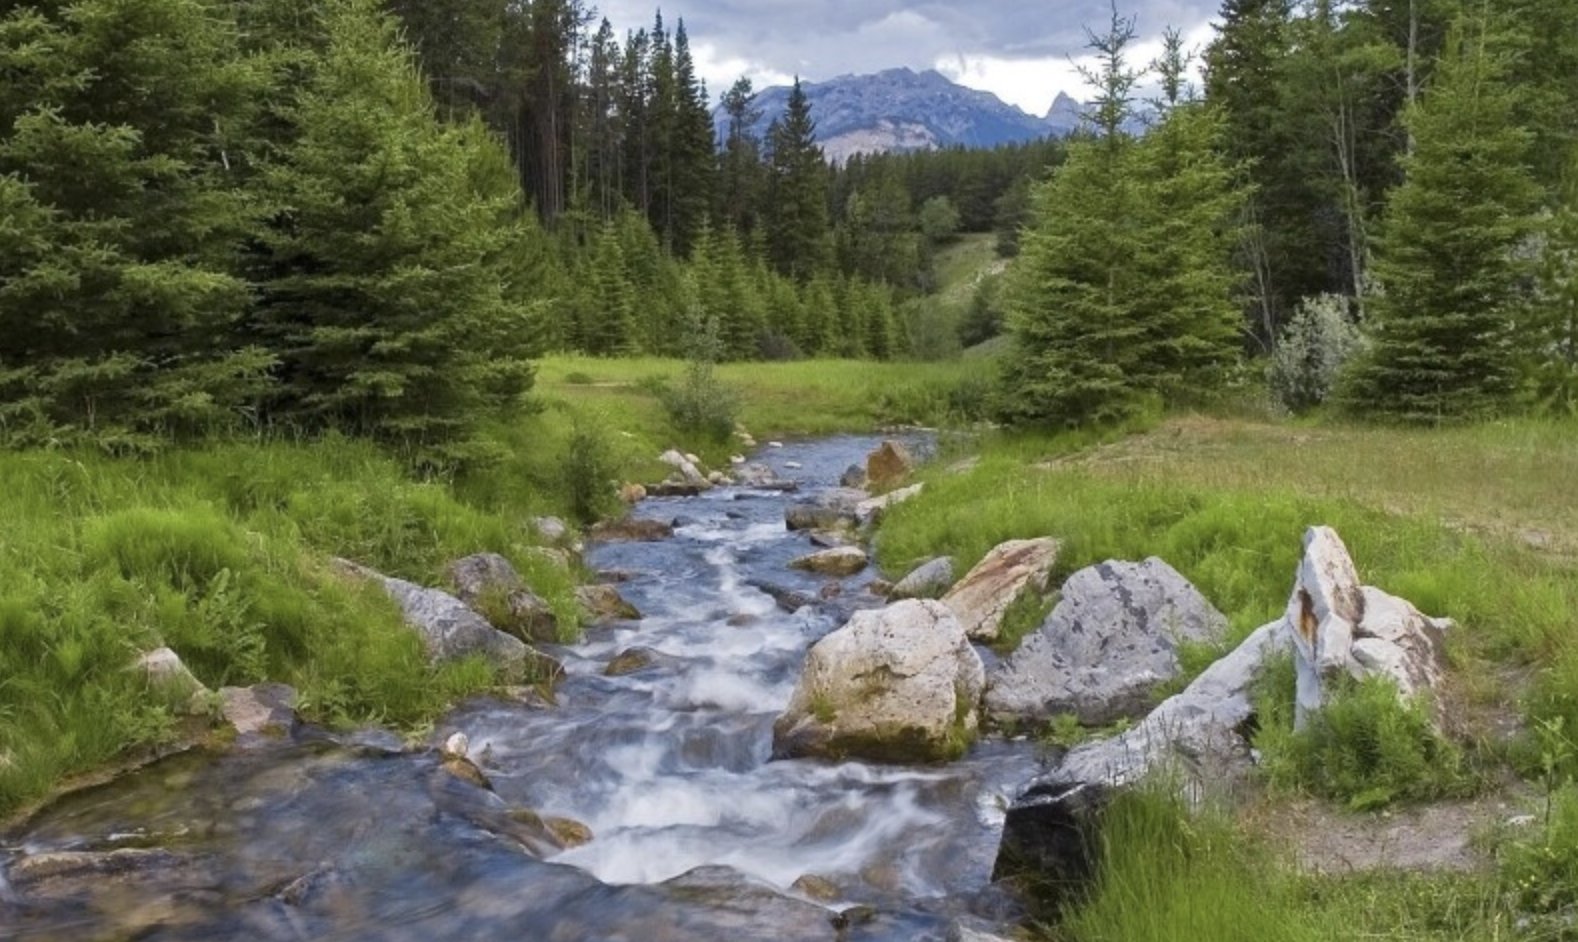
1312 351
1365 747
587 473
578 378
701 405
1540 872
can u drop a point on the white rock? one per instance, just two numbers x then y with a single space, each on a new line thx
1340 627
449 630
775 444
457 746
929 580
983 596
686 468
873 508
895 684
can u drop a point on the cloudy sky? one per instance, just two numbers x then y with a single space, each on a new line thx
1019 49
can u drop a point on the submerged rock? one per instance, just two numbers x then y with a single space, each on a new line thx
635 660
1340 627
62 873
490 586
839 561
929 580
831 510
897 684
854 477
1111 639
788 600
984 595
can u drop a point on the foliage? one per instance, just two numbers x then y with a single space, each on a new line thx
1364 747
701 405
1540 870
587 473
1443 344
1312 351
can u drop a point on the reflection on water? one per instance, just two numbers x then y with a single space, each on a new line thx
696 834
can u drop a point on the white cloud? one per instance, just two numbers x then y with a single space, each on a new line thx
1032 84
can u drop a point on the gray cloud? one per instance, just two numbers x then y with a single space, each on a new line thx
819 39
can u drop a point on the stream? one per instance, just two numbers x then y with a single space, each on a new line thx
697 833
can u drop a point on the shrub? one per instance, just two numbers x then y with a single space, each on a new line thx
1312 351
1540 872
702 405
587 472
1365 747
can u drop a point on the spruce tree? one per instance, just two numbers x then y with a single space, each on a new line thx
1443 344
373 274
797 221
123 166
1552 321
1077 332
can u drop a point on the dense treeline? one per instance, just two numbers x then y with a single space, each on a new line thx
1377 194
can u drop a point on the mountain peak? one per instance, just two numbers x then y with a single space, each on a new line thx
900 109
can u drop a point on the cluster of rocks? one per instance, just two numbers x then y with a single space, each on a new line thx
689 476
906 684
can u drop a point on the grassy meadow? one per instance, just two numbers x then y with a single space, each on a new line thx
1476 523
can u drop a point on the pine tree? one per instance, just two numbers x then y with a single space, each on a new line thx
740 182
1071 295
1552 326
1191 200
373 275
1443 346
797 220
122 175
611 322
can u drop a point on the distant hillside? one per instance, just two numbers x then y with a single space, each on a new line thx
903 110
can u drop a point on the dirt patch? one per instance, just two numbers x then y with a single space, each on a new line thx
1448 836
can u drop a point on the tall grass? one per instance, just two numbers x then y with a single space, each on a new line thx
220 552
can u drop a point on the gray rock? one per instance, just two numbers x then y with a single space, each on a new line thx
604 603
262 710
490 586
854 477
872 508
830 510
983 596
635 660
1195 733
929 580
898 684
839 561
172 681
1111 639
686 466
448 628
676 488
61 873
1051 834
551 529
1340 627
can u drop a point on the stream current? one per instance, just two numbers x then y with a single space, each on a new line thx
697 833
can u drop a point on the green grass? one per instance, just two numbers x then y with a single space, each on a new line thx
221 550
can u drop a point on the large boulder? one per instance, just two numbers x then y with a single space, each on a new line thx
830 510
449 629
1340 627
929 580
1199 733
839 561
1051 839
490 586
898 684
983 596
890 463
1111 639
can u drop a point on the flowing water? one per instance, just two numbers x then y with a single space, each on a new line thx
697 833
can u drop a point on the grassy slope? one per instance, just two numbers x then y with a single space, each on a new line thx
220 552
1475 523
